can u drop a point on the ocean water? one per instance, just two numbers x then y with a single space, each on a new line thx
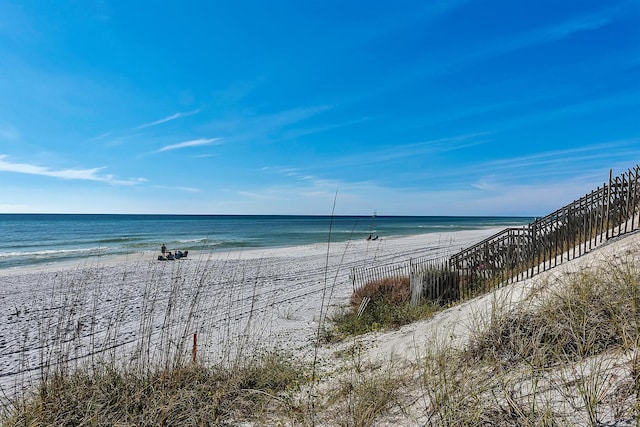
32 239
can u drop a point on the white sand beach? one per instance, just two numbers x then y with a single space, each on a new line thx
267 297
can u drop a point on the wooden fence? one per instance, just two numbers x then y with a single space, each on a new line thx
518 253
362 275
439 282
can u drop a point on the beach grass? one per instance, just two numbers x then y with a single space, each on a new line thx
189 395
565 355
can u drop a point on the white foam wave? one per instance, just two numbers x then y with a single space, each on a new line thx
202 240
55 252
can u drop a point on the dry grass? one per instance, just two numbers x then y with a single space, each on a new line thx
592 312
566 356
359 393
188 396
360 399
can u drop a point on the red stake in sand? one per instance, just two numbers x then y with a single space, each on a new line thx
194 349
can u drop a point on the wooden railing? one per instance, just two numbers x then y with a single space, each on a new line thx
518 253
569 232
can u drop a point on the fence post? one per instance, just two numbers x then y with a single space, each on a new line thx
632 198
627 216
608 199
415 284
635 199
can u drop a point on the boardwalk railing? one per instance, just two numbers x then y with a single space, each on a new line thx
517 253
569 232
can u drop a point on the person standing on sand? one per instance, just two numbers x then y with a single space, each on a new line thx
163 249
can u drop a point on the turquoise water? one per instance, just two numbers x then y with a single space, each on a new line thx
31 239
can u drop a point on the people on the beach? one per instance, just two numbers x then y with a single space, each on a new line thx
170 256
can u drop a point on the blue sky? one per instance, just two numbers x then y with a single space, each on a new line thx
278 107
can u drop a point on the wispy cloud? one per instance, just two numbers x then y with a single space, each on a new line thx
9 208
86 174
623 100
584 23
303 188
167 119
249 127
124 136
184 189
422 148
560 31
488 49
607 149
575 163
581 166
300 132
432 146
192 143
91 174
294 173
486 183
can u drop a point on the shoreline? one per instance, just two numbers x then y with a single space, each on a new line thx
241 252
44 241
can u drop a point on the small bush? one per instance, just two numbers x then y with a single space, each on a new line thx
388 307
395 290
